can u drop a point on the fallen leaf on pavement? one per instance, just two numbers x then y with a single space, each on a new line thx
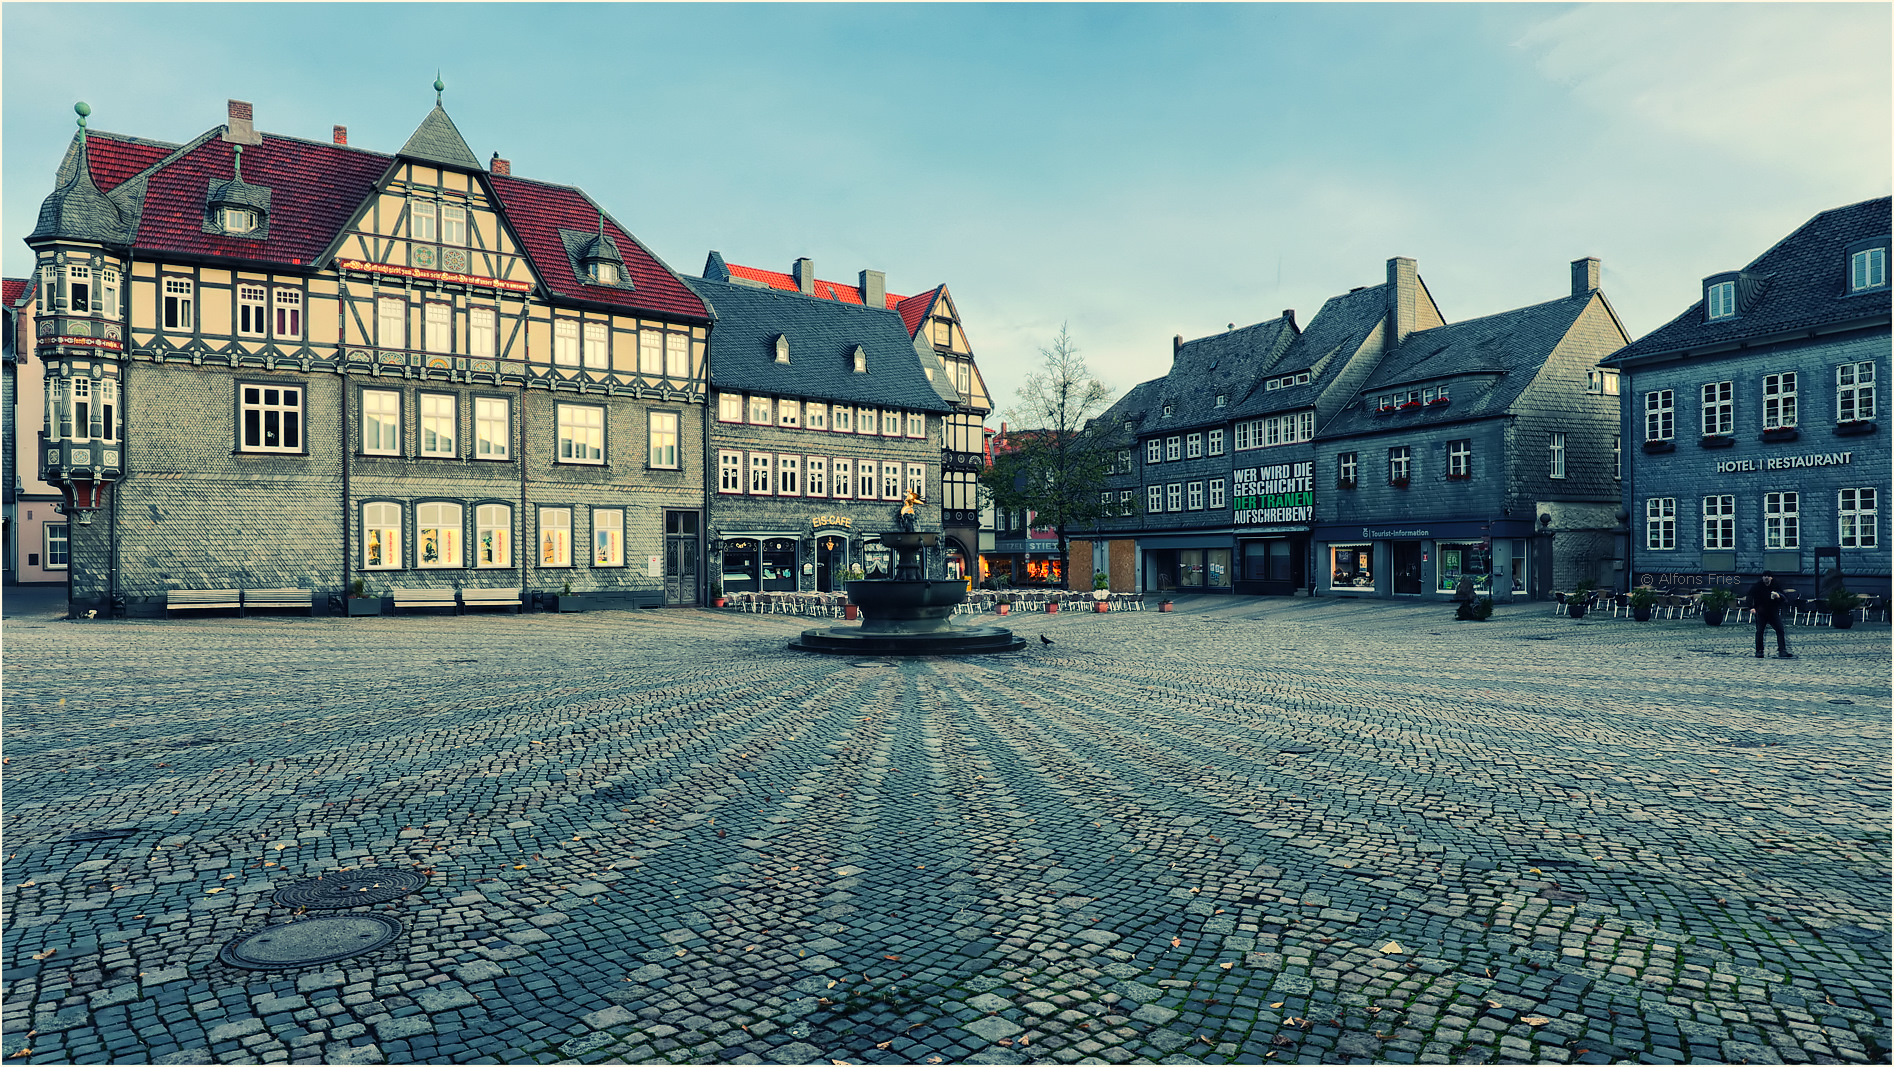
1534 1020
1226 966
884 1044
1007 1041
1277 1004
1393 948
1176 941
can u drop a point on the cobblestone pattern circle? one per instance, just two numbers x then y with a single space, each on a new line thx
350 889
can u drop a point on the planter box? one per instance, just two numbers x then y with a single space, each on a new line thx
1001 609
1165 606
1052 607
1717 440
1713 616
364 605
1660 446
1854 429
575 602
1789 433
1100 606
851 612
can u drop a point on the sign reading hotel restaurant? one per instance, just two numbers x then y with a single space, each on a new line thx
1781 463
1282 493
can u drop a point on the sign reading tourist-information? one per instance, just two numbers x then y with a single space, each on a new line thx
1282 493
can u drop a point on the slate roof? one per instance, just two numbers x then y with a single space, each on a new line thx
1805 285
78 208
1226 363
537 212
438 140
1137 407
1338 330
822 333
1510 346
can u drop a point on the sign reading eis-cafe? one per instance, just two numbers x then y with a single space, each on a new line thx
1284 492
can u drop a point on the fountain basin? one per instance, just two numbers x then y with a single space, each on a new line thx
907 615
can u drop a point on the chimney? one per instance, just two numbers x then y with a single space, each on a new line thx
874 287
1177 344
1289 316
500 166
239 127
340 135
1585 275
804 273
1403 297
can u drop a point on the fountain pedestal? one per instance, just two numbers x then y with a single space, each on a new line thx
908 614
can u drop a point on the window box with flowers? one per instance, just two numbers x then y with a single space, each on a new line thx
1410 405
1717 440
1440 402
1665 445
1384 409
1780 433
1459 477
1854 427
1398 483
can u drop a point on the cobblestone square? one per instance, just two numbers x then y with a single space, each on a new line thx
1247 831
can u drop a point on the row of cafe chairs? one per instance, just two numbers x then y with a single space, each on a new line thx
1801 611
978 601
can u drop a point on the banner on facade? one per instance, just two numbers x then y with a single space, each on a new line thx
1284 492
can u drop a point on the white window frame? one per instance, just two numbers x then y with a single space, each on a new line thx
1778 401
179 301
1781 521
437 526
608 537
493 427
381 529
493 536
842 418
1218 499
1854 392
581 434
729 471
866 474
730 407
677 356
439 425
1174 496
1173 449
596 346
890 423
437 326
555 537
662 430
1400 464
1154 451
252 310
915 479
762 412
789 414
1720 300
58 546
890 481
1857 517
288 417
1660 415
453 224
1660 523
391 322
1348 468
1719 408
565 342
1127 502
815 476
482 327
1193 496
1617 456
1153 499
1460 458
108 293
1867 269
1556 455
287 312
421 218
1193 446
917 424
788 475
841 478
762 481
1719 522
815 416
651 353
381 422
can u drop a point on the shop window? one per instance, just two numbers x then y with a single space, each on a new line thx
437 535
1217 568
779 564
608 537
555 537
493 534
1351 566
1471 560
381 536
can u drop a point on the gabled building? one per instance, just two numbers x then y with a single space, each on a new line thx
827 415
1483 449
402 369
1756 417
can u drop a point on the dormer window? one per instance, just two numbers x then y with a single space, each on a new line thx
236 208
1130 427
605 273
1867 268
238 220
1720 301
782 348
1222 399
1167 411
859 359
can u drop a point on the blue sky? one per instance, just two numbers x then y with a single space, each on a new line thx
1136 171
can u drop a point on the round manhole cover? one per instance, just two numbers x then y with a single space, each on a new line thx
310 942
350 889
1298 750
103 835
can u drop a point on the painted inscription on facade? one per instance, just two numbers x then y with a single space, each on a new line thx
1284 492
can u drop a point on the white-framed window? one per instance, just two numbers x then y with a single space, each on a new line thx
844 472
438 425
1127 502
890 481
1659 415
493 536
1193 496
789 413
1217 498
858 359
651 353
108 293
453 224
789 475
94 410
1154 451
437 535
555 537
1460 459
381 422
1721 300
1867 269
915 480
662 427
844 418
1778 400
1601 381
565 342
1781 520
391 322
1223 399
1174 496
1168 409
677 355
1173 449
252 318
437 319
815 476
729 471
480 332
608 537
1719 521
1153 499
865 479
1660 523
1854 392
1104 502
1193 446
58 546
597 346
1556 448
890 423
1347 468
1719 408
288 304
815 416
1856 517
237 219
762 412
762 471
729 407
271 418
493 427
917 424
79 288
581 433
421 219
178 293
1400 464
381 537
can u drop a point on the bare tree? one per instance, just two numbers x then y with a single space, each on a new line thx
1048 463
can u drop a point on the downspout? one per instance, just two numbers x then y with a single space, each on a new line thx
348 586
520 544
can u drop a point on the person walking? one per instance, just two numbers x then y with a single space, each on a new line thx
1766 602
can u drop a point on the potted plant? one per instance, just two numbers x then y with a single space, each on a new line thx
1717 604
1578 600
360 603
1476 610
568 600
1841 605
1643 599
1101 591
1163 602
717 599
1003 604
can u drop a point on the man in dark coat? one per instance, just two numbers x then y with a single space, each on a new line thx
1766 600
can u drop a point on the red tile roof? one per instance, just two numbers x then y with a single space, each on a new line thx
115 158
847 294
539 210
915 308
314 191
11 289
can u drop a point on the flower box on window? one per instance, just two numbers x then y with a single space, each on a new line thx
1854 427
1398 483
1410 405
1717 440
1344 483
1660 446
1440 401
1384 409
1459 477
1780 433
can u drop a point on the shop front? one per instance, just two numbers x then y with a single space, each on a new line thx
1189 563
1426 560
763 563
1271 508
1032 560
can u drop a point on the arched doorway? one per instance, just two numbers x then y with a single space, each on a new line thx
958 561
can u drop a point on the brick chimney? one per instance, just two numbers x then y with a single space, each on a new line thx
1289 316
1403 298
874 287
1585 275
804 273
239 125
500 166
340 135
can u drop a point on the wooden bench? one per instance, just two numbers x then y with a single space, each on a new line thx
192 599
280 600
410 597
491 598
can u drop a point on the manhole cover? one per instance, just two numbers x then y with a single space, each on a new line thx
1860 934
350 889
1299 750
1843 701
103 835
310 942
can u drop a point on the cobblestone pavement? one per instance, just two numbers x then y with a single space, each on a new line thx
1246 831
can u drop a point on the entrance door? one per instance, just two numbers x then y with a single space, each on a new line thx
831 564
1407 566
680 558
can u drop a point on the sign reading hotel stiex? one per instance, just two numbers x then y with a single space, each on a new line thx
1282 493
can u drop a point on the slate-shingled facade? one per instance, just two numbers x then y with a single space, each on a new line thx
1754 418
274 362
